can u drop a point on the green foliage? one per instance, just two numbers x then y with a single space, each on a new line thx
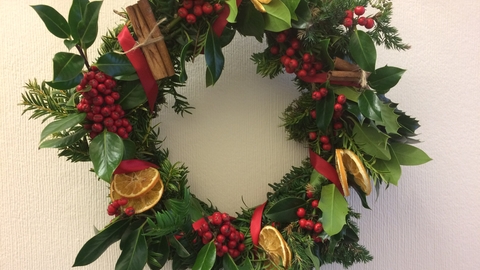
106 152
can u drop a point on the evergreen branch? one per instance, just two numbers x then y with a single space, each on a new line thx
384 33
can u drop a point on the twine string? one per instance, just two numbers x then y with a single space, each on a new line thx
148 40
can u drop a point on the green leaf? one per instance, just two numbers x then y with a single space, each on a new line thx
129 149
324 109
205 258
277 17
285 210
115 64
213 57
179 248
75 16
62 124
323 50
228 263
250 22
313 258
232 4
389 170
409 155
158 259
106 151
132 95
361 194
66 84
349 92
292 6
303 14
135 251
95 247
54 21
66 66
370 105
69 43
64 141
371 141
362 49
183 55
390 118
385 78
334 208
88 26
128 78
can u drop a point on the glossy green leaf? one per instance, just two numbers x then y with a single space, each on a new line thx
313 258
285 210
205 258
277 17
62 124
334 209
132 95
370 105
409 155
316 179
361 195
385 78
324 110
115 64
66 84
183 55
371 141
362 49
390 118
69 43
246 265
54 21
106 152
232 15
127 78
134 253
64 141
95 247
213 57
160 257
303 14
390 170
349 92
228 263
292 6
88 27
75 15
66 66
250 22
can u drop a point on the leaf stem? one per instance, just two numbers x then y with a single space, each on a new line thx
80 51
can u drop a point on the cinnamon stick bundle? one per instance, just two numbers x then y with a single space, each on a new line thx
345 76
342 65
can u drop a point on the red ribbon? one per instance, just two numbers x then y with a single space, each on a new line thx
197 225
221 20
137 58
133 165
323 77
256 223
326 169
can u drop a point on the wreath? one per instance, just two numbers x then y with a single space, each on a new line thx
101 112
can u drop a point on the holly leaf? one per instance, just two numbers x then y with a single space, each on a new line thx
65 85
228 263
213 57
95 247
250 22
66 66
205 258
334 209
285 210
385 78
75 15
88 27
362 49
292 6
132 95
324 110
409 155
106 152
232 4
370 105
134 251
54 21
389 170
115 64
278 16
389 119
64 141
62 124
371 141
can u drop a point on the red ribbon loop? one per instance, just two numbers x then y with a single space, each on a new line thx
133 165
256 223
137 58
323 78
326 169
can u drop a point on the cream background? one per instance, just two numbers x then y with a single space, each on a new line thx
234 147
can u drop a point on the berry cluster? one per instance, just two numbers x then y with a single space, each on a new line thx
349 20
293 58
98 101
226 237
306 220
113 209
191 10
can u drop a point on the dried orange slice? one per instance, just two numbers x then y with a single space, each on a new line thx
142 203
346 161
271 240
135 184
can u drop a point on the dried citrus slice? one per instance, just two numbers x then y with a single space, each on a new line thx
142 203
346 161
271 240
135 184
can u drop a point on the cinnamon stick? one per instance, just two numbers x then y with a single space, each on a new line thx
149 17
340 64
345 76
152 55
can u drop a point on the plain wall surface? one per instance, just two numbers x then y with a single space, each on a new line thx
233 144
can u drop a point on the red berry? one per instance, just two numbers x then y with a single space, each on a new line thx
307 58
115 116
359 10
309 194
182 12
312 72
94 68
347 22
207 236
108 122
362 21
301 212
337 125
112 129
314 203
122 132
338 107
309 225
290 51
285 60
105 111
232 244
93 83
295 43
274 50
302 73
98 100
217 7
316 95
318 66
293 63
326 146
122 201
281 38
97 118
109 100
217 219
324 139
318 227
312 135
115 95
307 66
188 4
313 114
197 10
79 88
100 77
129 211
341 99
302 222
348 14
370 23
89 75
220 238
323 91
289 70
241 247
225 230
97 127
191 19
207 8
109 83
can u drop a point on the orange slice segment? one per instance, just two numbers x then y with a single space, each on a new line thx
142 203
346 161
135 184
271 240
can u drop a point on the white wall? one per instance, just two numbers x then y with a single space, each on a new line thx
234 147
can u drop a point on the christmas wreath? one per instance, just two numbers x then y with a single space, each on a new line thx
101 112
